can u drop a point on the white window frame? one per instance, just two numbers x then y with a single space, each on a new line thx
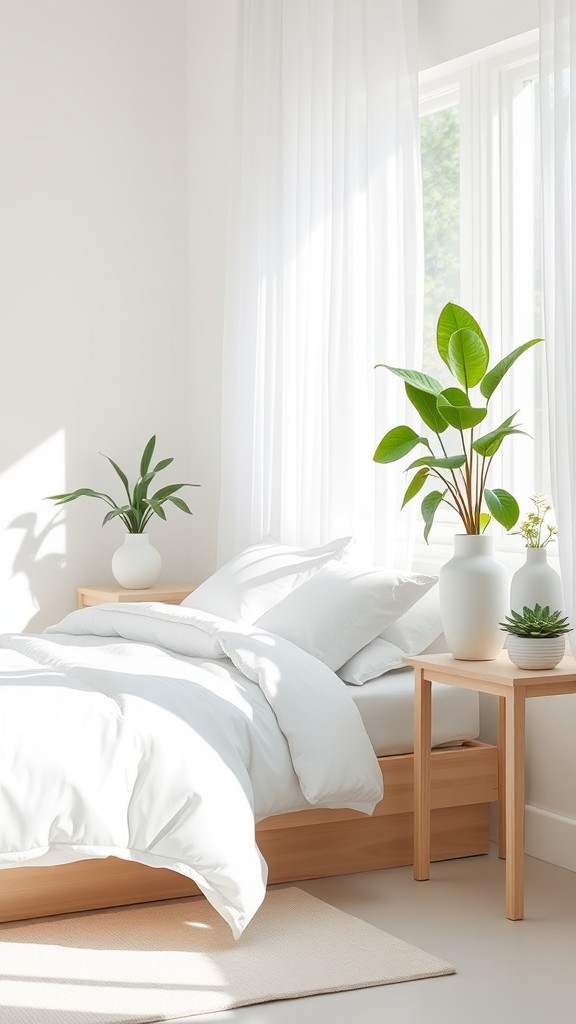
484 84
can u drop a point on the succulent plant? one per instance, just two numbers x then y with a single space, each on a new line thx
537 623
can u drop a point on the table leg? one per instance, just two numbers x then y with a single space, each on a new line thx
515 783
422 745
502 777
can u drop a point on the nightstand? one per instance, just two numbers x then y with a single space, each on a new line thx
168 593
512 686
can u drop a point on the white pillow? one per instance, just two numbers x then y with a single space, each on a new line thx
342 608
260 576
372 661
418 631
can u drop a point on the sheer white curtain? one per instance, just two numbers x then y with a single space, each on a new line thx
324 276
558 118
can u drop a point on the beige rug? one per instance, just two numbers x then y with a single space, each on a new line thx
160 961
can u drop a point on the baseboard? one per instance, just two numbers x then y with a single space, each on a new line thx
551 837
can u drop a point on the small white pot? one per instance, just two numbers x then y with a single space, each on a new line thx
535 652
136 565
536 582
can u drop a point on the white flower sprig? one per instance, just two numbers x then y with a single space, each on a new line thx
537 532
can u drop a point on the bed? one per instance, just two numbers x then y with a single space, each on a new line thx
113 783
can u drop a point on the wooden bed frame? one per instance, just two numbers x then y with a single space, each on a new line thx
306 844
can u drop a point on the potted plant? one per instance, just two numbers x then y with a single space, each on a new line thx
136 564
474 587
536 580
536 637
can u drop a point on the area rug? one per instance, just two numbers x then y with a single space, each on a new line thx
160 961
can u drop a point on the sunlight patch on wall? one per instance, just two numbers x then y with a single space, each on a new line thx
32 553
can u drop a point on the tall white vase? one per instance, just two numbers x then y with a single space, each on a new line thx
474 592
136 565
536 582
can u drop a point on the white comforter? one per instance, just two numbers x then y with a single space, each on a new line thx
160 735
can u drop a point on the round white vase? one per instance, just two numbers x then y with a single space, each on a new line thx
136 565
474 592
535 652
536 582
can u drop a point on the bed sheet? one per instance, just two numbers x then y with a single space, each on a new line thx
386 705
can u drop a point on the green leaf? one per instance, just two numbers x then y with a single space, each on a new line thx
165 492
81 492
425 404
141 486
428 509
162 465
488 444
415 485
147 455
449 462
396 443
114 512
454 318
180 504
503 507
467 357
120 473
495 375
485 520
454 405
419 380
156 507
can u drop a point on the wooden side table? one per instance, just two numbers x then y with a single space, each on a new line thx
512 686
168 593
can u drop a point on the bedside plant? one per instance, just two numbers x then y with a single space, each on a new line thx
463 474
536 580
536 622
535 529
140 507
536 637
136 565
474 587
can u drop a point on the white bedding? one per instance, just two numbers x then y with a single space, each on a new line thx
160 734
386 705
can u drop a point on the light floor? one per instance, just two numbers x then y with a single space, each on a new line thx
507 971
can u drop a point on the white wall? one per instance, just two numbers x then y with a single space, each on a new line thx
212 42
451 28
94 317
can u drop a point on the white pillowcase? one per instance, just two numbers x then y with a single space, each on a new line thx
342 608
372 661
419 630
260 576
422 624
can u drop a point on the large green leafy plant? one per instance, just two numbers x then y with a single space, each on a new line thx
459 456
136 512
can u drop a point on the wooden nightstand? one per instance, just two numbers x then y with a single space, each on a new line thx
168 593
512 686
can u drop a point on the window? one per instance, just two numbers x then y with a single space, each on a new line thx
481 194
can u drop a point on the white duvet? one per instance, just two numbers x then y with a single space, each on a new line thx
161 734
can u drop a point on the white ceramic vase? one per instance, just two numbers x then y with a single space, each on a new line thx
474 592
535 652
136 565
536 582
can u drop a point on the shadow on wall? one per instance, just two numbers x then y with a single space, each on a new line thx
44 572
